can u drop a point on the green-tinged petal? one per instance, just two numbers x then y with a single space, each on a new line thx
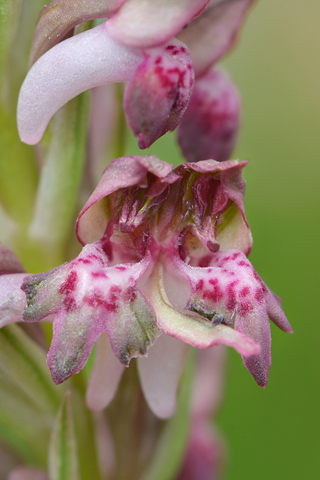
168 455
63 458
192 329
23 366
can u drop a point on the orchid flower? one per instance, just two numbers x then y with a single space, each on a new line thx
146 229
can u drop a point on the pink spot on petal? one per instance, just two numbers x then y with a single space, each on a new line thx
70 283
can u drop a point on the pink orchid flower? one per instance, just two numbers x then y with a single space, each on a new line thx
164 253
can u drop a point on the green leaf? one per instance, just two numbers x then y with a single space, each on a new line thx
23 367
23 427
63 460
171 446
9 16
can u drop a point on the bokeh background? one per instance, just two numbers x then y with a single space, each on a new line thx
273 433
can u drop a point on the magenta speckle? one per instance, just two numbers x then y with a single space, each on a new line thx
200 285
158 60
245 308
70 284
86 261
243 263
244 291
98 275
259 295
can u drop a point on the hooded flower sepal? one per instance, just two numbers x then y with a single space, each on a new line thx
228 293
88 296
158 93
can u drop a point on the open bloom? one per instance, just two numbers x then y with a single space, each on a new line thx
165 252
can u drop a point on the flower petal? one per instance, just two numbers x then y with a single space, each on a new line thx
90 297
58 17
230 289
214 218
77 64
157 95
105 376
160 373
190 329
212 117
74 334
211 35
124 172
12 298
141 23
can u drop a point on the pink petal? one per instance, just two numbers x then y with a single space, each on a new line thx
105 376
193 330
256 325
90 297
276 313
160 373
123 172
59 17
212 117
211 35
141 23
74 334
71 67
12 298
157 95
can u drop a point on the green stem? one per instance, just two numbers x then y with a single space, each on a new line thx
121 135
60 182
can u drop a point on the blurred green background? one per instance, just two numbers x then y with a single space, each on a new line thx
273 433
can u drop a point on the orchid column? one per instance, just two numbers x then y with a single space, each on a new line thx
163 266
